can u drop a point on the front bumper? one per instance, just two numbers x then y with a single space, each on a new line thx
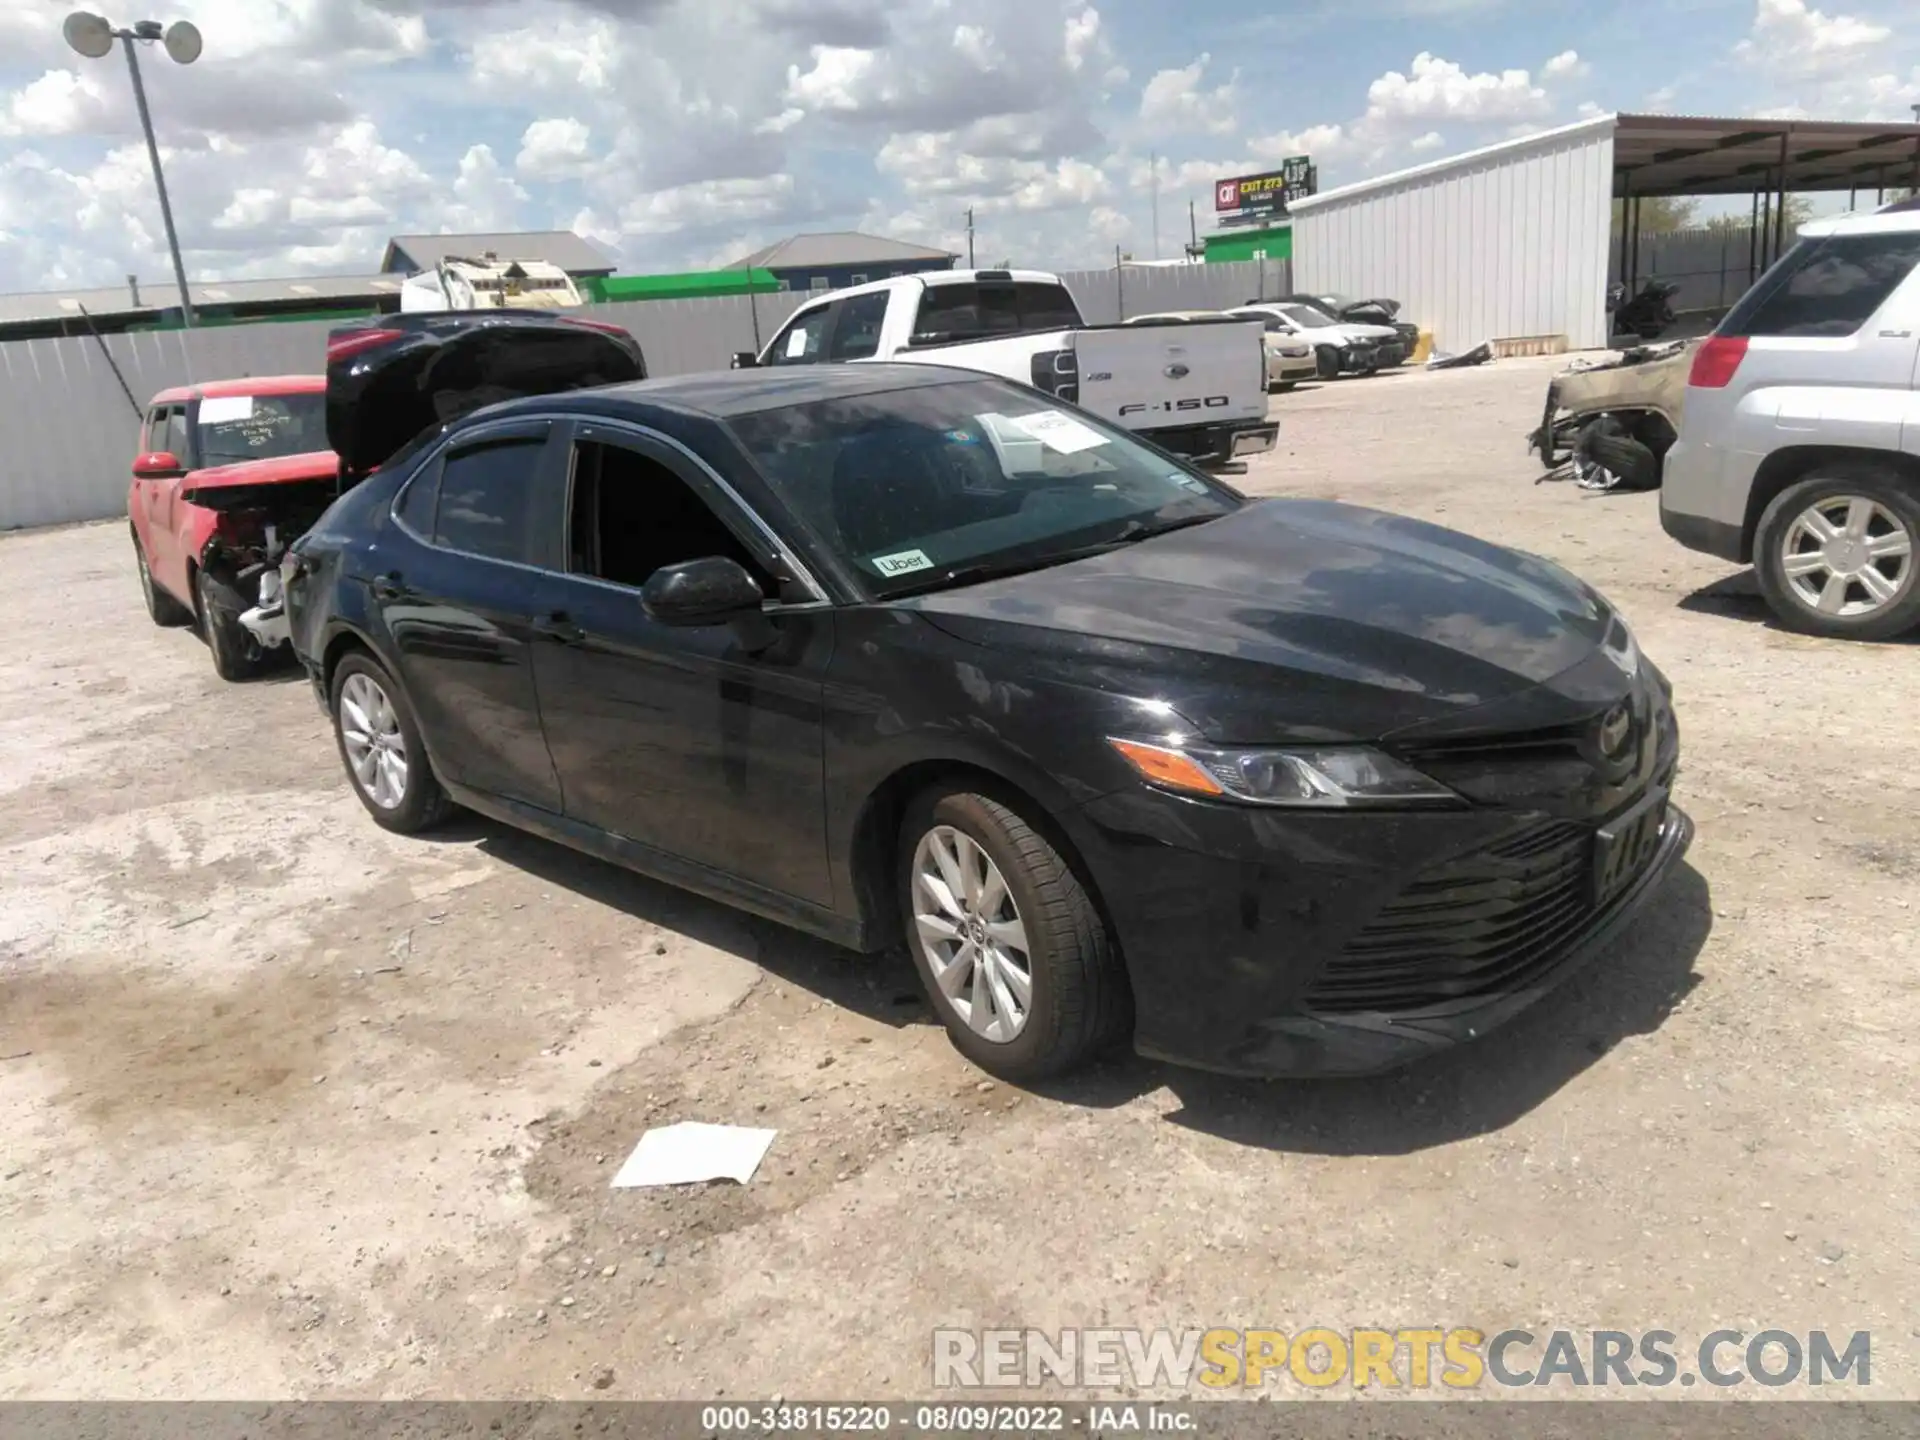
1282 945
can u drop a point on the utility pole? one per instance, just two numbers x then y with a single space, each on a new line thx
1153 182
1193 232
970 237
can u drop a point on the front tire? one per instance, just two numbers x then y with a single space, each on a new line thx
1835 554
380 745
162 608
236 654
1328 359
1013 954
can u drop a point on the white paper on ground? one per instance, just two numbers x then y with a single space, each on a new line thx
1058 431
688 1153
223 409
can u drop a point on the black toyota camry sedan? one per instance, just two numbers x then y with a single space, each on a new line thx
901 654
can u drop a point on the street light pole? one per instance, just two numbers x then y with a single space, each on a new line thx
93 37
159 178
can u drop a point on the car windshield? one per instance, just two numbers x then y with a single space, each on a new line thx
1306 315
233 428
944 484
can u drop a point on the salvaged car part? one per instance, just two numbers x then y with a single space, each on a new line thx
1609 423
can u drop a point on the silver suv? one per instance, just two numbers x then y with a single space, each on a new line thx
1799 448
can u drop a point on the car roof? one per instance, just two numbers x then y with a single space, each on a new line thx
249 385
1897 222
722 394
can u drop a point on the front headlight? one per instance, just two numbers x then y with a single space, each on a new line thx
1318 777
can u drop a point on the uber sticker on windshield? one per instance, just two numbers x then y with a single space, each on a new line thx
1058 431
901 563
225 409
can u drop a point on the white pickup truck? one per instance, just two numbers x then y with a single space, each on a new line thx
1198 390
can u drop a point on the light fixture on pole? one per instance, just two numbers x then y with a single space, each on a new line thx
92 36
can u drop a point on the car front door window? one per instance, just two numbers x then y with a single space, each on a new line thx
704 741
804 340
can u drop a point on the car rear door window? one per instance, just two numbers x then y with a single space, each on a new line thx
1828 285
416 505
483 499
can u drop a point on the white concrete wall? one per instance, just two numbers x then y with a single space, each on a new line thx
1491 245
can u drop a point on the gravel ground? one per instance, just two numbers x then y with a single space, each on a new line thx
292 1107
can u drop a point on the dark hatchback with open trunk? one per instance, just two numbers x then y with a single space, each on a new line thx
902 655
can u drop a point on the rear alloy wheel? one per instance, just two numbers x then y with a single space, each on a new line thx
381 748
236 654
162 608
1011 950
1835 555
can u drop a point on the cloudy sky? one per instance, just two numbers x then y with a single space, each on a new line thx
682 133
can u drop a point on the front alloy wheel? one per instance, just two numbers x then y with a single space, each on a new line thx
971 934
1012 950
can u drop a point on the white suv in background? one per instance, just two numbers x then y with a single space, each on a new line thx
1799 448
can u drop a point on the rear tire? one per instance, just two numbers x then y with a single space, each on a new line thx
1050 993
374 727
1821 536
236 654
162 608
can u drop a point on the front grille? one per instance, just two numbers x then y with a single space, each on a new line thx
1476 926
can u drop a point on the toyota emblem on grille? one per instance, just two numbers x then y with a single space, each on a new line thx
1177 371
1616 733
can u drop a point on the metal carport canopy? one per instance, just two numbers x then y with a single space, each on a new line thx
1655 155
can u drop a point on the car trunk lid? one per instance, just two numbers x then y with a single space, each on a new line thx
391 379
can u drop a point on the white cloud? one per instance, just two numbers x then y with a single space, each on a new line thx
60 102
1811 62
1432 140
1566 65
737 203
1175 101
1439 89
1792 35
553 148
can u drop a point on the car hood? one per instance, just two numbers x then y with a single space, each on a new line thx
1359 330
1299 620
205 487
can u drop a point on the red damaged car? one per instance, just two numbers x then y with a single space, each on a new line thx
230 473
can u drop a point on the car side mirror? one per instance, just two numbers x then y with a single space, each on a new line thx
710 591
158 465
745 360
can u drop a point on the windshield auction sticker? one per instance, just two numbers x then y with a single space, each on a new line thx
1058 431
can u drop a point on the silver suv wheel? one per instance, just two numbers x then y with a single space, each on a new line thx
1846 556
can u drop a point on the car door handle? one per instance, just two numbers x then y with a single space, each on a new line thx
388 587
559 627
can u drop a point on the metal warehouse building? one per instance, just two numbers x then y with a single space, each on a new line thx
1511 242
